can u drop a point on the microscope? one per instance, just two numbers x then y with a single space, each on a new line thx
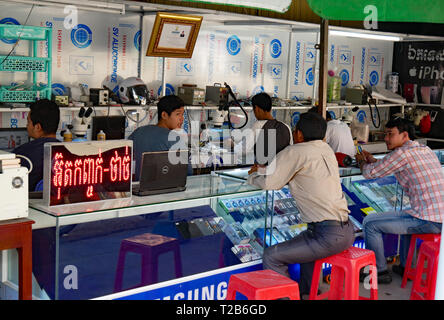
80 124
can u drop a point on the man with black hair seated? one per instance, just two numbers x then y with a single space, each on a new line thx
338 135
149 138
310 169
42 123
418 171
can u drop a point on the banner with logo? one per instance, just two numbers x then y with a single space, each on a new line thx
98 47
421 70
250 62
104 48
302 66
356 61
210 285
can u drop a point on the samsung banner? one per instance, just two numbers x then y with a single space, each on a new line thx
205 286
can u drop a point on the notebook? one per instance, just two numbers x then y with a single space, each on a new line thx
159 175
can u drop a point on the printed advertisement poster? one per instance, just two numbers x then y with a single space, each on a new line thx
421 70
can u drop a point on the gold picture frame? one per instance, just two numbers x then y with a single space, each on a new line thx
174 35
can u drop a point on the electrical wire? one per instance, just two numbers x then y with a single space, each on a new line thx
227 107
130 118
18 39
370 109
371 114
27 159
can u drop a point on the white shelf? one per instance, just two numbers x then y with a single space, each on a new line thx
429 105
97 108
14 109
204 108
305 107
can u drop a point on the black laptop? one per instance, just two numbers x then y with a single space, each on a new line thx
159 175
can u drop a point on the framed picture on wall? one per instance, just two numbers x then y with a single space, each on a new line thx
174 35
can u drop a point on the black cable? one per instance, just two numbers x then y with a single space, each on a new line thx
18 39
227 107
370 108
371 114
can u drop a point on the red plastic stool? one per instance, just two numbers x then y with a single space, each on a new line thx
262 285
345 265
428 251
409 272
150 246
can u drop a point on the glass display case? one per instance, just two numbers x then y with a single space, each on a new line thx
76 247
219 221
440 154
260 227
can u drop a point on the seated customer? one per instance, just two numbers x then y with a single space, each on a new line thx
149 138
43 121
419 172
310 169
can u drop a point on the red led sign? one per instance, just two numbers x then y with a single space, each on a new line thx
101 176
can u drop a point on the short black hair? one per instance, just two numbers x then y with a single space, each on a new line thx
403 125
47 113
312 125
262 100
315 109
328 115
168 104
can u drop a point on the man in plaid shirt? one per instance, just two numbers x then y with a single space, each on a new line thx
419 172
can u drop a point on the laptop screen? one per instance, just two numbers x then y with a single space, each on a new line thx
163 170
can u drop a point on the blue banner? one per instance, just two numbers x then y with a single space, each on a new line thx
206 287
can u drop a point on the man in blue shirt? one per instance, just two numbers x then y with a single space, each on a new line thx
43 121
149 138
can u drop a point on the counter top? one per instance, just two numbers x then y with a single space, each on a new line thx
198 188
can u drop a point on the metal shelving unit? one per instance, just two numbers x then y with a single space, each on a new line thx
32 64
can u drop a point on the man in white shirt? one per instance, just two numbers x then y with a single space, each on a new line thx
257 142
310 169
338 136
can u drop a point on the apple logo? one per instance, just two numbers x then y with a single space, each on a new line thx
412 72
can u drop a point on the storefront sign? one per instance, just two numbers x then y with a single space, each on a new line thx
78 172
420 65
204 286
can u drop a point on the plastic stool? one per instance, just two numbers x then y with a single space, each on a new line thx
409 272
345 265
150 246
262 285
429 251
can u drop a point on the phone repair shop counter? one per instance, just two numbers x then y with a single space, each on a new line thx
79 250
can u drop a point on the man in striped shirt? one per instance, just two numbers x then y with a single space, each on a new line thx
418 171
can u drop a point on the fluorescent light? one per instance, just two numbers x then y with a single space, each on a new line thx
89 6
364 35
